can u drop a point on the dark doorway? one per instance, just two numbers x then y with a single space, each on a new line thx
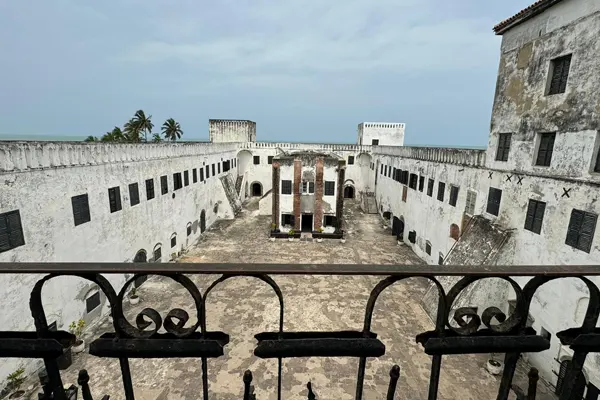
202 221
578 388
256 189
348 192
398 228
140 257
307 222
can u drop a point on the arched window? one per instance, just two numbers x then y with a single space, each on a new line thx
454 231
173 240
157 252
188 229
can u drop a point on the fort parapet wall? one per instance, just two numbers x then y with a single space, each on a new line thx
470 157
23 156
306 146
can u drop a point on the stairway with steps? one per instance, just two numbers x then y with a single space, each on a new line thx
368 204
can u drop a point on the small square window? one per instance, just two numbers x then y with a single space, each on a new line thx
287 219
149 189
330 220
256 160
559 74
286 187
270 160
177 182
350 160
430 187
134 194
441 190
164 184
81 209
11 231
453 195
375 142
92 302
114 199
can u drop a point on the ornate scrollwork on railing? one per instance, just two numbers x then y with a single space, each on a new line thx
459 330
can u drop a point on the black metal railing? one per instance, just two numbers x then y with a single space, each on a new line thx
467 333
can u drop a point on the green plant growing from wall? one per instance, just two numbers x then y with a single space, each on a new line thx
15 381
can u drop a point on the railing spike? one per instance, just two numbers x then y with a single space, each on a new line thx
83 380
534 376
248 388
394 376
311 394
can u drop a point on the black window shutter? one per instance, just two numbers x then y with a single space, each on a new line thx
15 229
556 77
538 216
588 226
494 198
529 217
311 187
4 235
564 77
574 228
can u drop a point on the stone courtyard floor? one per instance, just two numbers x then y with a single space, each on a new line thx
243 307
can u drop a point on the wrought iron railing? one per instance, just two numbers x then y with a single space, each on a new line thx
470 333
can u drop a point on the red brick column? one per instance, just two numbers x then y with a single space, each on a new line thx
319 187
275 194
297 183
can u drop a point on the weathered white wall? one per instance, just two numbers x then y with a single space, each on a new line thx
39 181
431 219
388 133
228 130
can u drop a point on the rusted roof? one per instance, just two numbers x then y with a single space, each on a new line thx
524 15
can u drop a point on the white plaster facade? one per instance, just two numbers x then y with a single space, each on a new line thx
381 133
40 179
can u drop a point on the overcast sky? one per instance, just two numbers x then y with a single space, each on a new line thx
304 70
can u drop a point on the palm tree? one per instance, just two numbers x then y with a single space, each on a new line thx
172 130
91 139
143 123
116 135
132 131
156 138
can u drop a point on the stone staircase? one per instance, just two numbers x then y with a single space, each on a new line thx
479 244
238 184
368 204
232 197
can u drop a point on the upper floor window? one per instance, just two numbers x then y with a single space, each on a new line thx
421 183
329 188
270 160
350 160
177 183
453 195
494 198
201 174
413 181
503 146
256 160
194 175
218 168
308 187
81 209
134 194
150 189
545 150
559 74
213 169
286 187
441 190
430 187
375 142
471 202
114 199
208 171
597 166
581 230
164 185
186 178
535 216
11 231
